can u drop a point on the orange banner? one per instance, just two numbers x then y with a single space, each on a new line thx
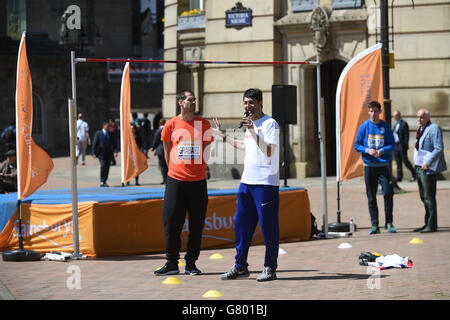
360 82
47 228
134 161
33 163
136 227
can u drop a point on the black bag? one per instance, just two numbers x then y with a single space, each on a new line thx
366 257
314 230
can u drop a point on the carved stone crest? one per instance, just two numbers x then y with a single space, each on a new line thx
320 28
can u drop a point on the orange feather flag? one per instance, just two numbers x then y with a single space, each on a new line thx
134 161
360 82
33 163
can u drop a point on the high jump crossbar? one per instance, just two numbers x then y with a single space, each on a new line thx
192 61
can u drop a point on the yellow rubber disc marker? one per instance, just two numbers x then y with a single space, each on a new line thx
216 256
171 280
212 294
416 241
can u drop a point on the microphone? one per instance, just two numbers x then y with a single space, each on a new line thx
246 114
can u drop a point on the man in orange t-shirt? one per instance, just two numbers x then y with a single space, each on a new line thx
186 138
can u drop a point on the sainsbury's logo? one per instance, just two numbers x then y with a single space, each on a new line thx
213 223
29 229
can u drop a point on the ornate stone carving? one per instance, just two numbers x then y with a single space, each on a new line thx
320 28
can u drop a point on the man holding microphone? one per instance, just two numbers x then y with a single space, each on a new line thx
258 194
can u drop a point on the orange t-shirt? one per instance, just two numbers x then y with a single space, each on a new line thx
189 139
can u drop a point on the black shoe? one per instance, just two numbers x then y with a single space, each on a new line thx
428 229
167 270
103 184
419 229
235 273
192 270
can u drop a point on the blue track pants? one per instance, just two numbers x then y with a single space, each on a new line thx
257 202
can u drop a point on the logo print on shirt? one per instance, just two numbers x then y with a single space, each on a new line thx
375 141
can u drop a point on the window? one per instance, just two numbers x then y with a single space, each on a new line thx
196 4
17 18
347 4
304 5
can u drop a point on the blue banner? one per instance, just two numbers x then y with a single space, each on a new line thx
238 19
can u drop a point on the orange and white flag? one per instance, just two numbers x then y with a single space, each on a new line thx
134 161
33 163
360 82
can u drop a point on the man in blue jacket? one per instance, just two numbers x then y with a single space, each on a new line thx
375 142
429 160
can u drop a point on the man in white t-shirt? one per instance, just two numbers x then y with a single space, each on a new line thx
83 138
258 194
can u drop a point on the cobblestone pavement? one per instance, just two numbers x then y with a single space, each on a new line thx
308 270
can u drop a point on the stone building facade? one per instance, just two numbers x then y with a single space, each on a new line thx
297 30
116 29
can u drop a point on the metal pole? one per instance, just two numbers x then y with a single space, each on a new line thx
384 21
385 58
73 176
74 80
285 163
19 205
73 142
322 151
338 202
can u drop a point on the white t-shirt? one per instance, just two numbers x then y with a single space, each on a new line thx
82 127
258 168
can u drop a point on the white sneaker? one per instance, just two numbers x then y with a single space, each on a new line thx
267 274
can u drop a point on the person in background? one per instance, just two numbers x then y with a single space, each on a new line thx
375 142
430 161
104 148
9 136
145 130
401 136
83 139
158 149
138 139
8 173
115 135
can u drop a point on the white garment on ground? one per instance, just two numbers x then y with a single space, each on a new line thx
390 261
258 168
